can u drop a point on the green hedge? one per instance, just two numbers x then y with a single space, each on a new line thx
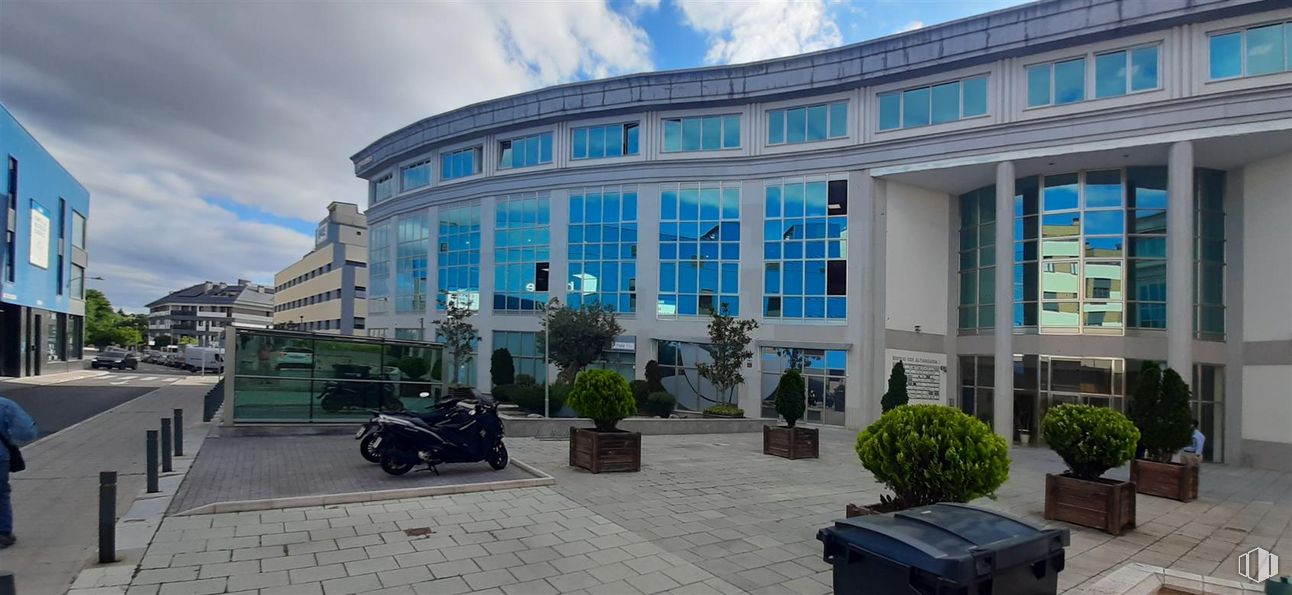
659 404
530 397
931 453
1091 440
725 409
603 396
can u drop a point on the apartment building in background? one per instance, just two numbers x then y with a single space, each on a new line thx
204 310
326 290
43 257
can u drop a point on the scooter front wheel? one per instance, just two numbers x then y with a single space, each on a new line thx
498 458
370 448
394 465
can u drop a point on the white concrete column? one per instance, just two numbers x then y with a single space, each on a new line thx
647 273
752 207
1003 419
861 404
1179 258
483 320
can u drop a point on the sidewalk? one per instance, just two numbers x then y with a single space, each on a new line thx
56 499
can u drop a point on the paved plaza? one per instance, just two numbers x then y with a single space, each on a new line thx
707 514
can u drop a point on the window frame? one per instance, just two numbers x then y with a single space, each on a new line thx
79 239
721 113
430 174
587 125
1089 80
388 176
478 147
929 84
536 135
828 104
1242 30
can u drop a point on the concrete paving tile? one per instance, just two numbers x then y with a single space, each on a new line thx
351 585
445 586
295 589
489 578
244 582
454 568
201 587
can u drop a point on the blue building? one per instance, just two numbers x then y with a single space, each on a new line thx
42 258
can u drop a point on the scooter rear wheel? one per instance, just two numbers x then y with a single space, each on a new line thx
498 458
370 448
394 465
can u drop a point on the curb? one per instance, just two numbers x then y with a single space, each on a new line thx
540 479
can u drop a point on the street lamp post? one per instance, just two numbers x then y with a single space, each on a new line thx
547 346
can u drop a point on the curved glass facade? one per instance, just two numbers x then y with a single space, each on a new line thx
603 248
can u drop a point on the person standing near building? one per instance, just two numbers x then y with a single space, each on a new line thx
1192 454
15 427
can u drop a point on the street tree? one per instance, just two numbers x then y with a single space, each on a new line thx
729 339
579 336
457 333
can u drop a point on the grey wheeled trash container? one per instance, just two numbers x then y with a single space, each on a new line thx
943 549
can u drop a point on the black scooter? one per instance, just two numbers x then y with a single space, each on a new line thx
370 435
472 432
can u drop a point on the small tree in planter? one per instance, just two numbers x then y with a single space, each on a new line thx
660 404
578 337
459 337
729 348
1160 410
1090 440
896 395
502 368
932 453
789 441
603 396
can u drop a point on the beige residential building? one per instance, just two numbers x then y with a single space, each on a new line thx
326 290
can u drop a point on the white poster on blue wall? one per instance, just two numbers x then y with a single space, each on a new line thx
39 247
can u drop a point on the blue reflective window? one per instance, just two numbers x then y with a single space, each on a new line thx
1069 81
1226 55
1265 53
521 255
411 254
839 118
915 107
1110 74
776 127
383 188
697 220
975 96
802 277
1144 68
460 163
458 254
946 103
701 133
415 175
890 111
526 151
1038 85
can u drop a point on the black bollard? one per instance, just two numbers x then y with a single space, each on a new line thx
107 517
7 586
151 446
178 428
165 446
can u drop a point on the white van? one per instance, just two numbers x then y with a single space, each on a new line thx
209 358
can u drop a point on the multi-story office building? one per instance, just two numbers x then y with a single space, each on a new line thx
43 257
203 311
1023 206
326 290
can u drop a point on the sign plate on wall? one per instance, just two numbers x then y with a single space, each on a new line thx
39 252
926 375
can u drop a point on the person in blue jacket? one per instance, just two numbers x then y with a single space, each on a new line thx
16 427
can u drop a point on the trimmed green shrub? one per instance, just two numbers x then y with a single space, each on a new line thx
502 369
725 409
791 396
654 377
603 396
530 396
526 379
413 367
660 404
931 453
1091 440
896 395
640 390
1159 407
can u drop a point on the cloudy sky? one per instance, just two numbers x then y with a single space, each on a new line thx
212 135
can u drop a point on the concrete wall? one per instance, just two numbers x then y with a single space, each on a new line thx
916 285
1266 410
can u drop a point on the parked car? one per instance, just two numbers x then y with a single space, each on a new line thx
115 359
210 358
294 357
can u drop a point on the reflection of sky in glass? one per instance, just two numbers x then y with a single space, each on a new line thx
1038 85
915 108
890 111
975 96
1060 192
1070 81
1226 55
1103 189
946 103
1265 49
1144 68
1110 74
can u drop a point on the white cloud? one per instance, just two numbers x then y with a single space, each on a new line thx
747 32
153 106
646 4
911 26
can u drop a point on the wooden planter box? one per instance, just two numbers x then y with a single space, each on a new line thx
1176 481
853 510
600 452
1104 504
791 443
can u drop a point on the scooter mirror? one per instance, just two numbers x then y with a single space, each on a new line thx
423 395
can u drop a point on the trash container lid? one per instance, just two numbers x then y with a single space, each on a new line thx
954 541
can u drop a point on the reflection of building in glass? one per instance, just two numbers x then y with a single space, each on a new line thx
1014 209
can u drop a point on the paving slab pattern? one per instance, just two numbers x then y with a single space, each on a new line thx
707 514
261 467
